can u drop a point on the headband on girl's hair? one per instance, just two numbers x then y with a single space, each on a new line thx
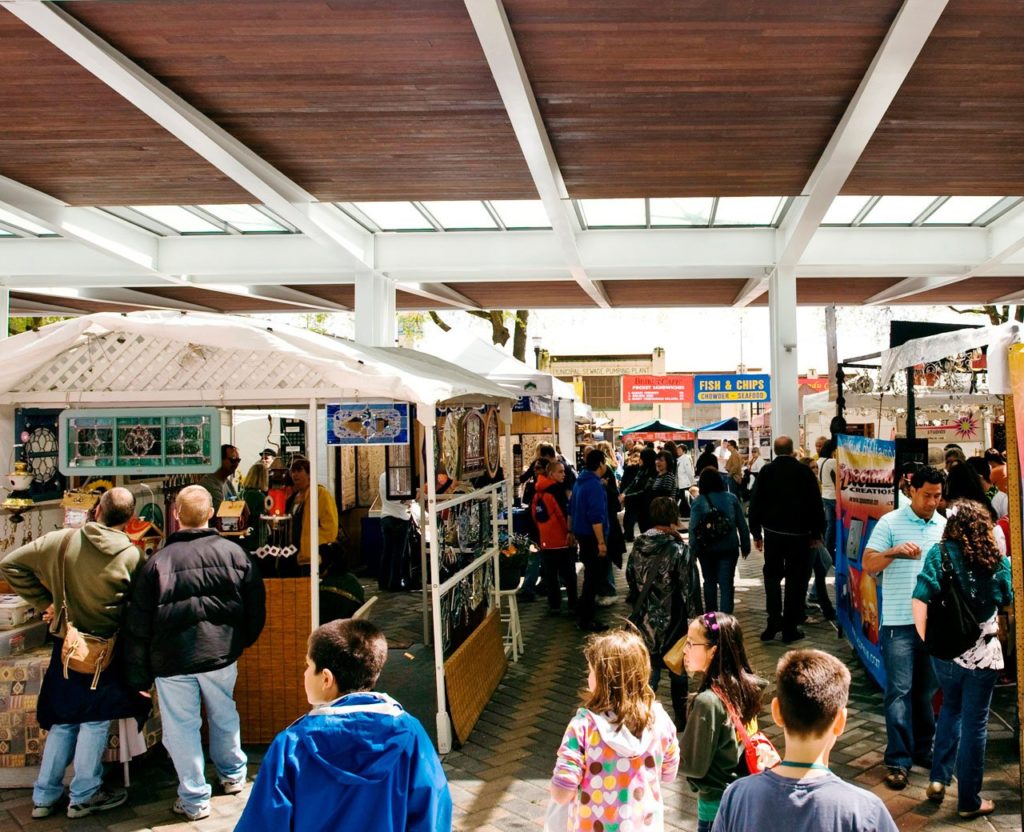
711 621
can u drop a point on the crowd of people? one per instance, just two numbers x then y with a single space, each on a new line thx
179 621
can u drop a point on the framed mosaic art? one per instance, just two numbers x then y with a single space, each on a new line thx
35 429
177 440
474 460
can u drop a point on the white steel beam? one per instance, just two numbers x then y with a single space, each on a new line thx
429 258
502 53
322 222
439 292
883 79
132 297
94 229
1004 239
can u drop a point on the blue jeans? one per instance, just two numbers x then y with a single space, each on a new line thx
532 577
963 722
830 526
705 825
719 572
181 718
86 743
909 689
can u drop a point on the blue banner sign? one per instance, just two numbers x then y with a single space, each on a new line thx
716 389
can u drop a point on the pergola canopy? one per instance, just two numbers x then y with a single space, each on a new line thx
255 156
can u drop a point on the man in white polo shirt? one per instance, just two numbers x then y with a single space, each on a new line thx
896 550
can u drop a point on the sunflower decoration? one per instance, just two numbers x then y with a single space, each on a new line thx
967 426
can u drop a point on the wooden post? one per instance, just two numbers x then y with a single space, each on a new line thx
1013 476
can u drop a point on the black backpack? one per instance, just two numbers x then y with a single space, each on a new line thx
713 528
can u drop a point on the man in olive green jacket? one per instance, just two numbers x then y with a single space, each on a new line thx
100 560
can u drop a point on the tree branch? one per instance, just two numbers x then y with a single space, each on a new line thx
437 319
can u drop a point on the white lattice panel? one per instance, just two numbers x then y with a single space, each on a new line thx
129 362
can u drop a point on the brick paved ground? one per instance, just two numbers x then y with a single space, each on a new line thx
499 779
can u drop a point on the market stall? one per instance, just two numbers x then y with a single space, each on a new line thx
657 430
143 363
719 431
867 462
546 408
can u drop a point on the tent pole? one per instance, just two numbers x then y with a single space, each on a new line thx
1013 476
444 724
554 423
313 509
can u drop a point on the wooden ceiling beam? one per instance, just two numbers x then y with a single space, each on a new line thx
884 77
439 292
321 221
502 53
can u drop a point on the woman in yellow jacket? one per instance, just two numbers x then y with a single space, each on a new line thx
327 513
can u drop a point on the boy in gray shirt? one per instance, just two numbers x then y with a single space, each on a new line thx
801 793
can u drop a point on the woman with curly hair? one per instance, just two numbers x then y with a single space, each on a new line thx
967 681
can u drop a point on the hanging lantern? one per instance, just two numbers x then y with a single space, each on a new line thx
18 483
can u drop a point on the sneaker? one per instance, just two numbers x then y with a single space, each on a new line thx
236 786
789 636
198 814
105 798
43 811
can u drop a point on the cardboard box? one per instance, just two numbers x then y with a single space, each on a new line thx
21 639
14 611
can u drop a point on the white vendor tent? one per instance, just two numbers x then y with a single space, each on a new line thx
161 358
515 376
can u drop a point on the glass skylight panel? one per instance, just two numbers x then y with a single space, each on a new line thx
4 233
695 211
747 210
27 225
605 213
178 219
463 214
245 218
962 210
844 210
395 216
521 213
897 210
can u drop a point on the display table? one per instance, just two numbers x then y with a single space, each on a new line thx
21 738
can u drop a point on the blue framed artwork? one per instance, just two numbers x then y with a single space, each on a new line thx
368 424
174 440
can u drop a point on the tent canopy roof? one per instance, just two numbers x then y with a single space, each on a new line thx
656 426
219 359
725 425
518 378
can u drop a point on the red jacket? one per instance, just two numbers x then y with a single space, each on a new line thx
554 532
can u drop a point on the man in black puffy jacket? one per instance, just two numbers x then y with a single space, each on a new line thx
195 606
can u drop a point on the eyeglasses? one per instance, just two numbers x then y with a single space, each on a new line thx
688 643
234 460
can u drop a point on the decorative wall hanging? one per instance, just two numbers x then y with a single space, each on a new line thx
140 441
451 444
368 424
35 429
474 461
492 442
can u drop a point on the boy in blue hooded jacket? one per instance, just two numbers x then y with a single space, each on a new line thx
357 760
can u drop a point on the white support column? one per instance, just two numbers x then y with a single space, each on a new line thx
5 312
313 515
785 370
375 310
426 417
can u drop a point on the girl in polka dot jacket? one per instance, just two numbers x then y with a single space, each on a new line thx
619 748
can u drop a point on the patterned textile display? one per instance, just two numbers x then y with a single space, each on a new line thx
21 738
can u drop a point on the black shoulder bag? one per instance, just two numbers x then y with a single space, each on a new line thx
952 628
